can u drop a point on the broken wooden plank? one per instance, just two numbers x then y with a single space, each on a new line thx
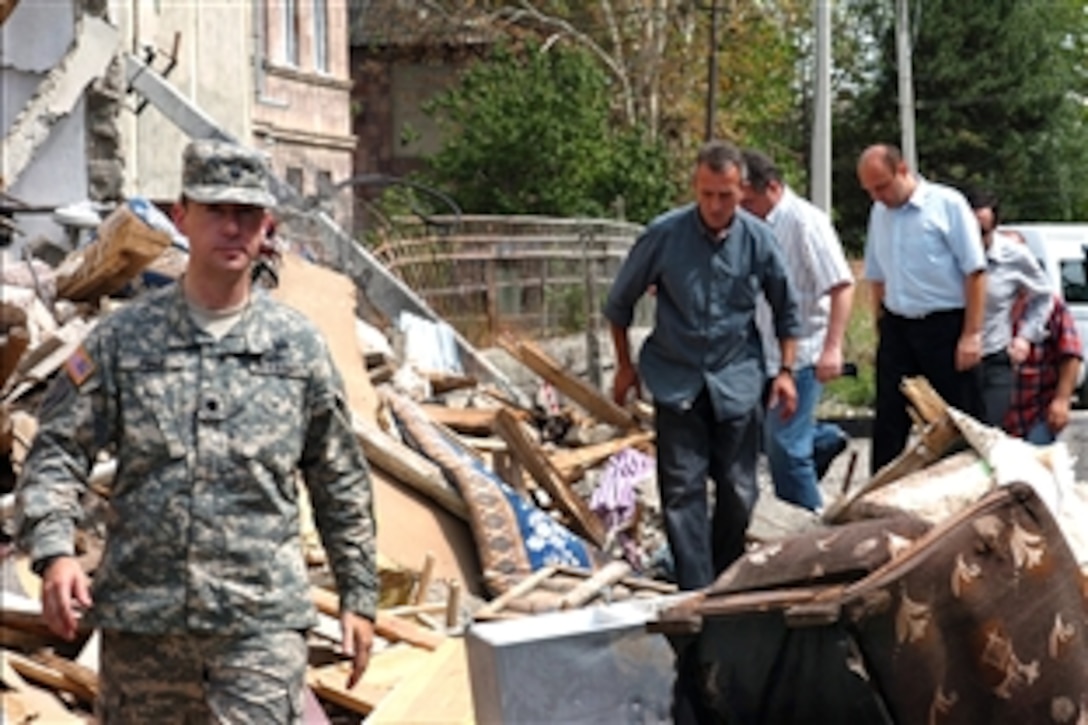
442 382
408 467
609 574
125 246
330 683
49 676
12 346
569 460
387 625
595 403
523 587
384 671
939 434
83 676
634 582
470 421
439 691
583 520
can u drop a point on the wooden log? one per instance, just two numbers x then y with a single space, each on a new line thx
583 520
635 582
85 677
49 676
569 460
470 421
426 572
523 587
446 382
596 404
387 625
453 604
609 574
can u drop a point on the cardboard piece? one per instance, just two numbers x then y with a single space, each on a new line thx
327 298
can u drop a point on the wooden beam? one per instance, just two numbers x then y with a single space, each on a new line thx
49 676
408 467
523 587
584 521
438 691
470 421
570 460
329 683
84 677
387 625
939 433
611 573
596 404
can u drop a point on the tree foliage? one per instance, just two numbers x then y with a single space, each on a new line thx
999 102
530 131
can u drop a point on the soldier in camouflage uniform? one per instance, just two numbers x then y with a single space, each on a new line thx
212 397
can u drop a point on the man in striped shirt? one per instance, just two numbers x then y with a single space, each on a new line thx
799 449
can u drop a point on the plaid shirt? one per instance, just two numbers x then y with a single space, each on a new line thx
1037 377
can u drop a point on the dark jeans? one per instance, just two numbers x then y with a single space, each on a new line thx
998 379
912 347
692 446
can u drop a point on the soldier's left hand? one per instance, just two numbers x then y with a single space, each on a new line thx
358 637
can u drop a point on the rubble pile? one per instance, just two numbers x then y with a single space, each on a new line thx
487 508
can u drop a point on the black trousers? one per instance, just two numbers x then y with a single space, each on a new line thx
691 447
998 380
912 347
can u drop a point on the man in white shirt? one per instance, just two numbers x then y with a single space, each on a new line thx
799 449
927 274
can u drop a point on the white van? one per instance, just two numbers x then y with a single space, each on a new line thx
1061 249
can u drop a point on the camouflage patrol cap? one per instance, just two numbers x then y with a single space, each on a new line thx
220 172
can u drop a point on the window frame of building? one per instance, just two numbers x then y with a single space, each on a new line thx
321 35
295 178
291 45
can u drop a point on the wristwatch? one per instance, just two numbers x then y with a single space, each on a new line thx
788 369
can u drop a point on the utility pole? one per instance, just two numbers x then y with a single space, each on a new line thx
906 83
821 110
712 72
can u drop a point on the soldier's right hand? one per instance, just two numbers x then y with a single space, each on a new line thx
65 591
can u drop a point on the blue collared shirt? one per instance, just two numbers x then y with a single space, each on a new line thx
705 333
923 250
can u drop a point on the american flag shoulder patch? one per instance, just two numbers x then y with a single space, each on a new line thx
79 366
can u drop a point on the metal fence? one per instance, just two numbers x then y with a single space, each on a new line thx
537 276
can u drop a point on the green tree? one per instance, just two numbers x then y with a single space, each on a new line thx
999 93
529 130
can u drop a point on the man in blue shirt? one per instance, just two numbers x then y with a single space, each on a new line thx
926 266
703 364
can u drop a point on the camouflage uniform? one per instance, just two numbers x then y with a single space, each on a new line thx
203 532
